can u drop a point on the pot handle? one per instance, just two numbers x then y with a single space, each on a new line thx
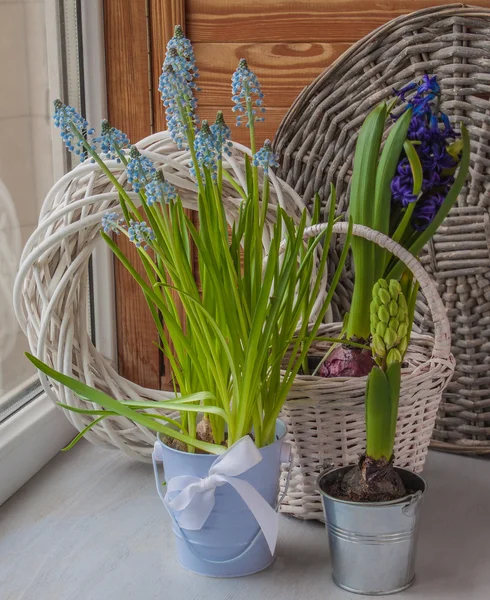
286 457
157 457
412 505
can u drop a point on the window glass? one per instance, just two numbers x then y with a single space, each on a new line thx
38 48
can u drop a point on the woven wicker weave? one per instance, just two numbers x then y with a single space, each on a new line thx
316 143
50 292
325 418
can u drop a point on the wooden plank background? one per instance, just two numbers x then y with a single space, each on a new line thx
128 95
235 21
163 17
286 42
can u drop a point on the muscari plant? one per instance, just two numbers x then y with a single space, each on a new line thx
229 356
404 190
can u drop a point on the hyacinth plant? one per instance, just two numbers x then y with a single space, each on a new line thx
229 356
391 321
404 190
374 477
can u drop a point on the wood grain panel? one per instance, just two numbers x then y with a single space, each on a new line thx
283 69
164 16
127 66
295 20
129 109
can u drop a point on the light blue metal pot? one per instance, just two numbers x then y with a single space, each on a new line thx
372 545
230 544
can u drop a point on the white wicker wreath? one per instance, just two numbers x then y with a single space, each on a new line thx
51 288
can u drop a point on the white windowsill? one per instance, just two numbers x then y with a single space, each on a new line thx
90 526
29 439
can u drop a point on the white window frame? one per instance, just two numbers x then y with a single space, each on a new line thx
103 301
34 434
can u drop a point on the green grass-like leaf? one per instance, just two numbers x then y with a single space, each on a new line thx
362 211
378 415
385 172
97 397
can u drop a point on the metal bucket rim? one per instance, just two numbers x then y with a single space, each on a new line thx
207 456
408 498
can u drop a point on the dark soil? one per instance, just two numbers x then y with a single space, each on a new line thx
313 362
175 444
368 481
346 361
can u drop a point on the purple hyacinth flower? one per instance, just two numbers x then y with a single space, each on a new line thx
426 209
432 133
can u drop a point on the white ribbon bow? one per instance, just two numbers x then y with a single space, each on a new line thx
195 498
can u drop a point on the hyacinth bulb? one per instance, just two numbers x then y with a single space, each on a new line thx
389 322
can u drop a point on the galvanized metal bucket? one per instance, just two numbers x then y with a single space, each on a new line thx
372 546
231 543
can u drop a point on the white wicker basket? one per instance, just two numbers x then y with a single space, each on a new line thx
50 293
325 417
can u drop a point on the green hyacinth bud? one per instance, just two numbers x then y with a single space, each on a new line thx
393 323
393 355
393 308
390 337
402 302
384 296
379 346
402 330
389 322
403 345
383 314
395 288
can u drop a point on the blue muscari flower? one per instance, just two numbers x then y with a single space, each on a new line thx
245 87
158 190
140 170
140 234
265 157
207 153
170 88
111 140
222 134
64 118
432 131
112 221
177 87
184 48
